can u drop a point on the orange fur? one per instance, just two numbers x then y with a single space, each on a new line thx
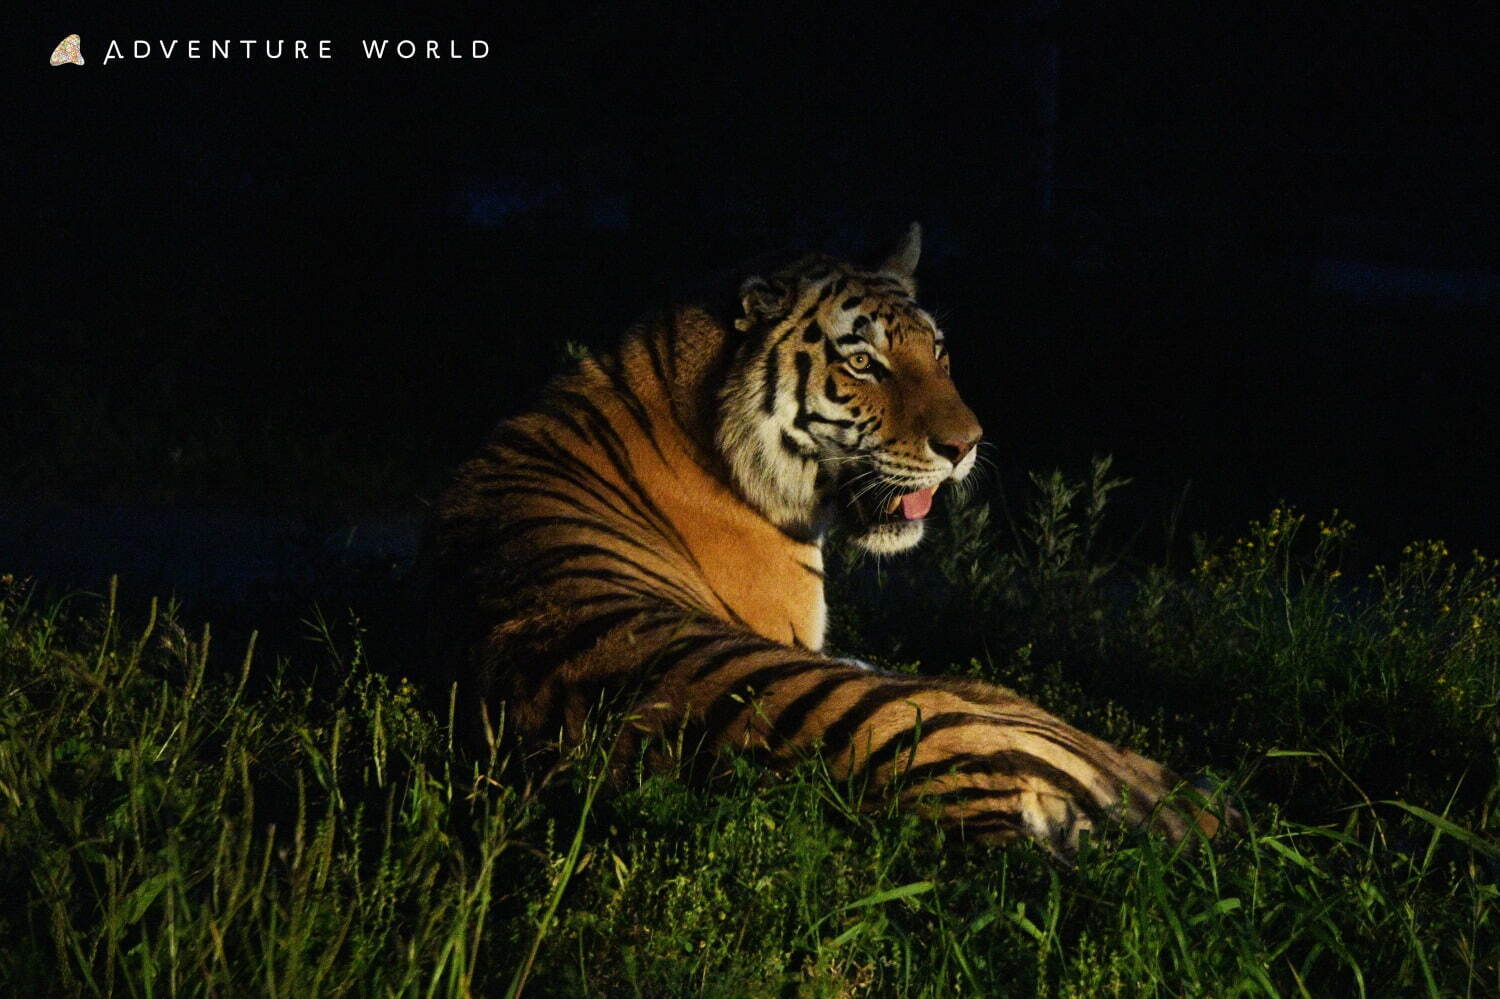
651 535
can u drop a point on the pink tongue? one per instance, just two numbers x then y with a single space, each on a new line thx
914 506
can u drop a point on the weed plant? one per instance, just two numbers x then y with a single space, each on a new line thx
176 823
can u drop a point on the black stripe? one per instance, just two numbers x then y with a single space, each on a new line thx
734 651
617 580
653 354
1000 824
789 720
581 638
635 408
673 652
665 582
557 412
553 459
831 391
963 795
1009 762
525 525
785 336
671 345
813 333
741 695
803 363
646 514
544 565
652 342
951 719
808 418
955 765
790 446
1058 737
598 423
528 480
599 599
584 636
627 471
625 581
923 727
507 437
836 737
530 477
773 363
619 456
802 533
597 574
803 417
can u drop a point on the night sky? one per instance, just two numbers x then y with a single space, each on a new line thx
1253 256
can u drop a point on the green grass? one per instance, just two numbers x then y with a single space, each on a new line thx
180 821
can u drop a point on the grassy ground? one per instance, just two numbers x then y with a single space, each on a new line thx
180 819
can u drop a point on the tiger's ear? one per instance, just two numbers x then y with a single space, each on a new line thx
902 262
763 301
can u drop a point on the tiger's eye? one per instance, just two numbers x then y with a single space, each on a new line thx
858 362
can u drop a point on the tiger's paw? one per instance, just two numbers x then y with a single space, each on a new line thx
1055 822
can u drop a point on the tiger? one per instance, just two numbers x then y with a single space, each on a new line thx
651 535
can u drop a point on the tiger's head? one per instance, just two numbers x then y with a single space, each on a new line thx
838 403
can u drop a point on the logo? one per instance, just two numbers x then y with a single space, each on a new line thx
68 50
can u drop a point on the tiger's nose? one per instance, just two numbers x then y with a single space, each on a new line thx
953 450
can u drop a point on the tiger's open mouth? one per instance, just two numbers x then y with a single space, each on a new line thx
883 523
912 506
865 509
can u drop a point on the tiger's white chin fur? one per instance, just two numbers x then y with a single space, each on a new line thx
891 537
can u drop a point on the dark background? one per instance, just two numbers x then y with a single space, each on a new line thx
1251 254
